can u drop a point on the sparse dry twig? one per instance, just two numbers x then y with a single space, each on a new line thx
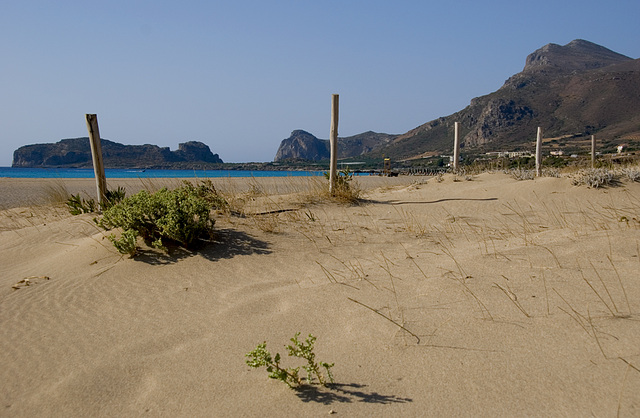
387 318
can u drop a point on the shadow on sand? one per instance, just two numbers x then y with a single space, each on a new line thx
227 243
397 202
345 393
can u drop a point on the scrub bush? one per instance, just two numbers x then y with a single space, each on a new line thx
595 178
181 216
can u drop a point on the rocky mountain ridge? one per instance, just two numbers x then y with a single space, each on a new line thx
571 91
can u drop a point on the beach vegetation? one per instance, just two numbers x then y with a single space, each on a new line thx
113 197
345 190
595 178
78 205
631 173
260 357
181 216
56 193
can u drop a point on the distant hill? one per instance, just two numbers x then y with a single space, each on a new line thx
571 91
302 145
76 153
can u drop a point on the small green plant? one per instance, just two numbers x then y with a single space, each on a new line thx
113 197
260 357
78 205
181 216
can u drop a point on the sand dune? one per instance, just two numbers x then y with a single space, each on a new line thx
518 298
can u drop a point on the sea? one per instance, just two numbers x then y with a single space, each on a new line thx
63 173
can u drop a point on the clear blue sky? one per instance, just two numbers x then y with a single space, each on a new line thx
241 75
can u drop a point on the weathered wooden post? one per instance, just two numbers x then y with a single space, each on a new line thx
333 140
456 146
539 153
593 151
96 155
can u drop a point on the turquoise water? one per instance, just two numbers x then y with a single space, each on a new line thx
124 173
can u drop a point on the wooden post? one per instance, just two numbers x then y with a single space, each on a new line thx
539 153
593 151
456 146
333 140
96 155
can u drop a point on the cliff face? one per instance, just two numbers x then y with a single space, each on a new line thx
302 145
76 152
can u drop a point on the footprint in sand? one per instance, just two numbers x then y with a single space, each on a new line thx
28 281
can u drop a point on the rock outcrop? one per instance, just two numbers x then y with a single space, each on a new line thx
76 152
302 145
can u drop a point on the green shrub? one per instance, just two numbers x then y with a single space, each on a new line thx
181 216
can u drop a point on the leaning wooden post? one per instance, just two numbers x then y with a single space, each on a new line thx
333 140
539 153
593 151
456 146
96 155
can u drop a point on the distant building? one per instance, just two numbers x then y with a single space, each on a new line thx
514 154
450 157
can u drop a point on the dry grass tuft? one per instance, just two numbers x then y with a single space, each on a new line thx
594 178
349 193
56 193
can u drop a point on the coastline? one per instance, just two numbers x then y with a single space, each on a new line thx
17 192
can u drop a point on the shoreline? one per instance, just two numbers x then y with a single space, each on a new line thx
19 192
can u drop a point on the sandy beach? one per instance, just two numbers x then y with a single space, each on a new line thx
481 297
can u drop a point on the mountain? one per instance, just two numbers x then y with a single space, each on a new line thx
76 152
302 145
571 91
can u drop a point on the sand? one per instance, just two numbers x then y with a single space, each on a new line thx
490 297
